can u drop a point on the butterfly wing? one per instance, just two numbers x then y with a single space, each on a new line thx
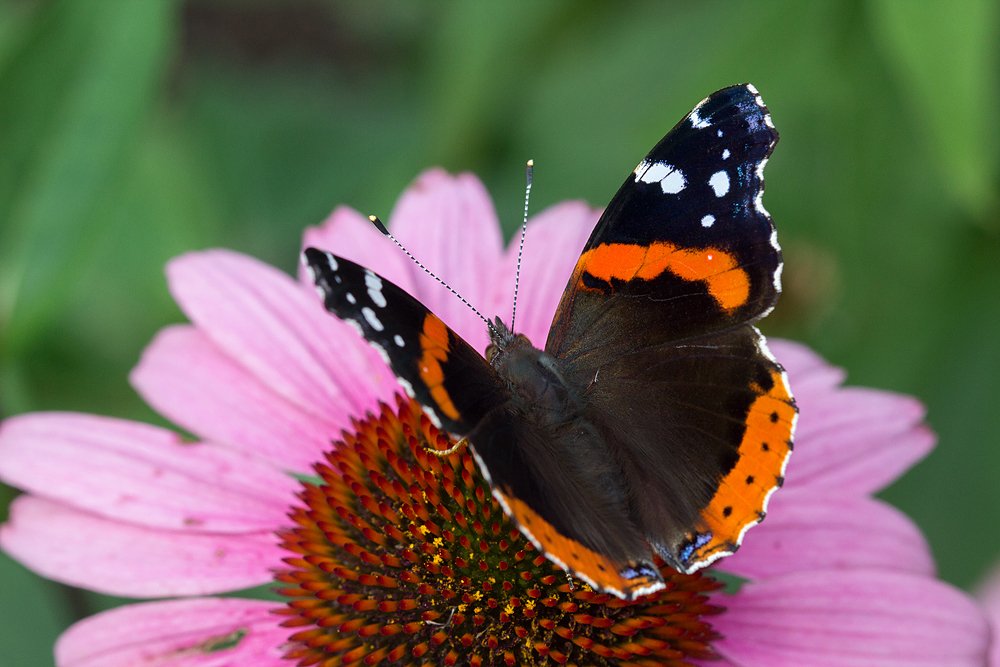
433 364
655 322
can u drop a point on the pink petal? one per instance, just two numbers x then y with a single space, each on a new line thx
351 235
85 550
202 632
862 618
989 597
185 377
856 440
279 331
449 224
807 371
142 474
804 531
713 662
552 245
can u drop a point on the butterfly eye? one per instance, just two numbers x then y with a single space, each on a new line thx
491 352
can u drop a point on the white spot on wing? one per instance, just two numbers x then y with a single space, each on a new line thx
374 285
398 340
332 261
354 324
758 203
725 154
760 169
407 387
696 120
429 411
673 182
321 292
708 221
655 172
372 319
350 298
720 183
670 178
718 133
641 168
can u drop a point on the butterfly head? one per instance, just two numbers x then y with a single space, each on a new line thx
502 339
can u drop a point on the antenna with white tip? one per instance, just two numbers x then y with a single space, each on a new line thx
379 226
529 173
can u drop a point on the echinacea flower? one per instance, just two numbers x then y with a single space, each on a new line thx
387 554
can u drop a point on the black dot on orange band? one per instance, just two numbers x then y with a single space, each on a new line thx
779 481
726 511
764 447
774 417
750 479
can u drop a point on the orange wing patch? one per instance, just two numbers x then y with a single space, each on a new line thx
626 580
434 344
728 284
741 500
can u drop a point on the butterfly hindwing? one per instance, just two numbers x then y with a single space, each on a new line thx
566 496
704 429
434 365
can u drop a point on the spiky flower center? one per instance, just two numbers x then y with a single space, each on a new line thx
405 558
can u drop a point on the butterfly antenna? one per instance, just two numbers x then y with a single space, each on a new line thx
529 172
379 226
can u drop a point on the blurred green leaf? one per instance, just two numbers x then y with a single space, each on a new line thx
73 98
31 616
13 19
954 493
946 57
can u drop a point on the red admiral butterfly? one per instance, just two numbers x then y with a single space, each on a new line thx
655 421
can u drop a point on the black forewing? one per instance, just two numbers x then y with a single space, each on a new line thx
729 133
396 324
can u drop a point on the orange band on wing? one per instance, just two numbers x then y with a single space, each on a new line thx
434 344
742 495
628 580
728 284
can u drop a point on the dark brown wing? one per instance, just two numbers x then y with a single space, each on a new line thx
703 430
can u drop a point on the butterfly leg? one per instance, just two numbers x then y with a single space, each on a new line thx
448 452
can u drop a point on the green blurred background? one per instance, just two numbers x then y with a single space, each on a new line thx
131 131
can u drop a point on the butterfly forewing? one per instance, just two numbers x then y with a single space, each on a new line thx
432 363
685 247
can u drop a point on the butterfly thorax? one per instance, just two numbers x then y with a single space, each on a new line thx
533 376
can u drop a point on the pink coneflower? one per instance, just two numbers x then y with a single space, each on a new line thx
390 556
